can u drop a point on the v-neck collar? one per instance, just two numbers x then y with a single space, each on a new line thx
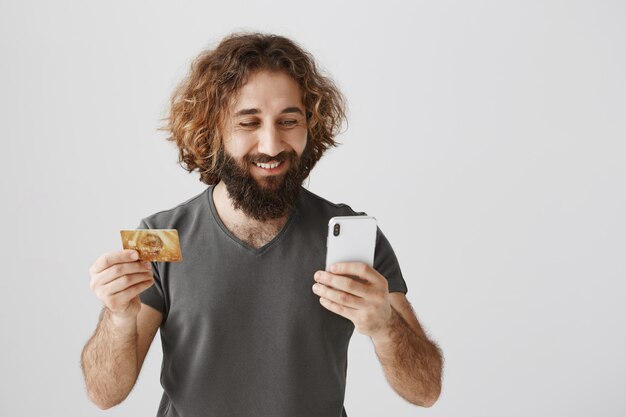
253 250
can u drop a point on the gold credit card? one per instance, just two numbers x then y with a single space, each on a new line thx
157 245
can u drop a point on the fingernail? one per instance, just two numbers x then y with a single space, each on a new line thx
134 255
316 276
333 268
146 264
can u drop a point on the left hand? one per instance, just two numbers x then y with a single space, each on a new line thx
357 292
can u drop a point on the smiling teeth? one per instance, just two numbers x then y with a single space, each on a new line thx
268 166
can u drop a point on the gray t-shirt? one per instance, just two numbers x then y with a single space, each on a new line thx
243 333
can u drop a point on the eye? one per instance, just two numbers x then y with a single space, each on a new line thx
289 122
248 124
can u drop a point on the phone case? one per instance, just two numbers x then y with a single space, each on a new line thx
354 242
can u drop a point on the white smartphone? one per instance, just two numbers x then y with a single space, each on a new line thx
351 239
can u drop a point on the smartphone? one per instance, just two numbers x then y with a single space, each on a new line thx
351 239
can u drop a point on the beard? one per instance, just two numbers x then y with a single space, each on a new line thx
276 196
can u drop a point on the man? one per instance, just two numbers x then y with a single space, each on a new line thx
250 322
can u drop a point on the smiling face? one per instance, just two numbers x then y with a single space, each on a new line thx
266 120
264 145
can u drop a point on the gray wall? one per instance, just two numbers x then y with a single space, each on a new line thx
487 138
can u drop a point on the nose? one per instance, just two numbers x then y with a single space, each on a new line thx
270 140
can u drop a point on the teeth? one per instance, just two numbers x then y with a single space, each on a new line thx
268 166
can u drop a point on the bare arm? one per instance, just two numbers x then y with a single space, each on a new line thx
113 356
412 364
109 361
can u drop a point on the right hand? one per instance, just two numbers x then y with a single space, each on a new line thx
117 280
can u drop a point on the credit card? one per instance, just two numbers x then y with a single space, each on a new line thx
155 245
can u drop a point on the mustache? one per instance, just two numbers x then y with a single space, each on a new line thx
264 158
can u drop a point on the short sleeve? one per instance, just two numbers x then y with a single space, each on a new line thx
386 263
153 296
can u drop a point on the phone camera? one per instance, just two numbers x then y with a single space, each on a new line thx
336 229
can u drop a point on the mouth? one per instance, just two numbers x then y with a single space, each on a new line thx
271 167
268 166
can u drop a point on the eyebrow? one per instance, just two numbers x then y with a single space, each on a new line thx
244 112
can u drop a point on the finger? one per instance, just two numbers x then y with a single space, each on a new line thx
343 283
339 297
357 269
112 258
343 311
115 271
126 281
124 297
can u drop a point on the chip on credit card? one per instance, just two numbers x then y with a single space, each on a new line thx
156 245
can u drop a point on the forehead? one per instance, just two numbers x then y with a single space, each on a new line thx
268 91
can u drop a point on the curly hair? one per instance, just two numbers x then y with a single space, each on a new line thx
200 103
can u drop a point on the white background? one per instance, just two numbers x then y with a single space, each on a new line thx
487 137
